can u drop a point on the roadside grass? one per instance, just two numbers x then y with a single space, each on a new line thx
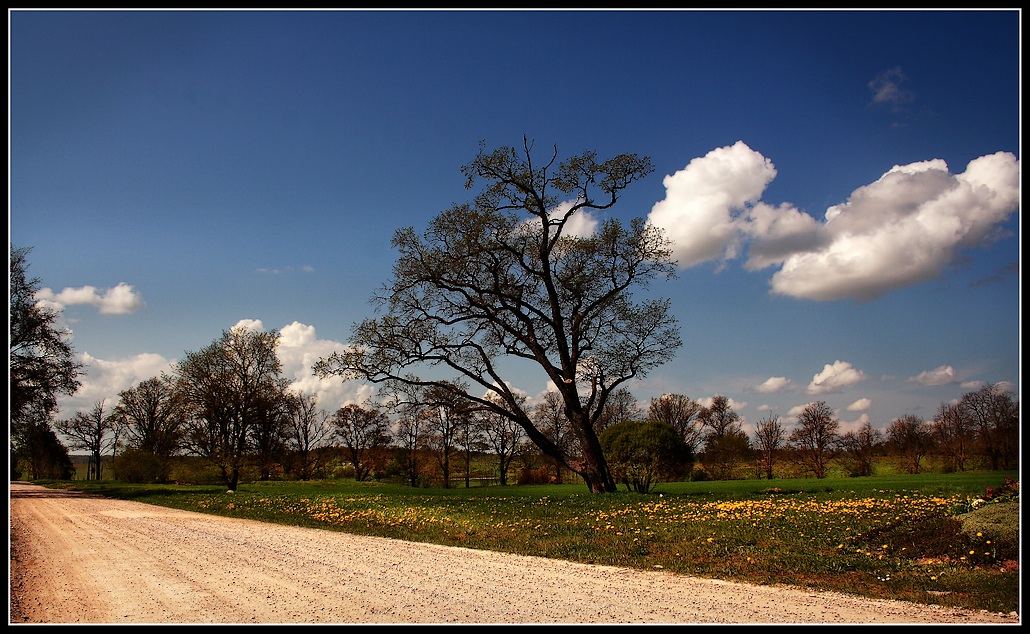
910 537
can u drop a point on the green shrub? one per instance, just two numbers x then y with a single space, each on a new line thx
138 467
995 525
643 453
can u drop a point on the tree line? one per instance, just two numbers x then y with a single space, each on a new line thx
504 277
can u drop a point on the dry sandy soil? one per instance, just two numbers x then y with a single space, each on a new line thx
76 558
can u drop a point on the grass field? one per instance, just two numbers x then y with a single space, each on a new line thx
908 537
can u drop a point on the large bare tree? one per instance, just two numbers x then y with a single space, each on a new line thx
506 279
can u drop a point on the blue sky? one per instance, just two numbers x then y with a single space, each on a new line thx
842 187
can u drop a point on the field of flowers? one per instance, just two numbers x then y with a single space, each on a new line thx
884 543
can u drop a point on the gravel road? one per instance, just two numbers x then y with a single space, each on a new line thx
77 558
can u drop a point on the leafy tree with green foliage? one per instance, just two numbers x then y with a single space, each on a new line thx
644 453
505 280
41 362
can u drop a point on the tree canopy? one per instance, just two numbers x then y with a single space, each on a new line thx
41 359
505 277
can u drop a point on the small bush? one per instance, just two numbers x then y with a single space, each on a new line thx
643 453
138 467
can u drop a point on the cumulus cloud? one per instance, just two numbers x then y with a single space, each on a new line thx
581 224
773 384
901 230
904 229
120 300
860 405
834 377
703 201
299 348
736 406
105 378
942 375
853 426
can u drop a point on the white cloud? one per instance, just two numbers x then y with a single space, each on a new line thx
942 375
860 405
701 200
887 87
835 376
254 325
120 300
736 406
853 426
581 224
299 348
777 233
773 384
104 379
901 230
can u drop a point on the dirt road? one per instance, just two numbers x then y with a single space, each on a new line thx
82 559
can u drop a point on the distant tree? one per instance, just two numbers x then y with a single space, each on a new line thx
725 443
815 437
362 429
621 406
858 449
644 453
271 428
549 417
722 454
150 418
910 438
954 436
224 388
504 437
682 413
769 437
484 285
310 437
41 362
41 454
451 412
995 414
718 419
408 402
469 441
91 431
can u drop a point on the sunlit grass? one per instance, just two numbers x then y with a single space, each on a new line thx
886 538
